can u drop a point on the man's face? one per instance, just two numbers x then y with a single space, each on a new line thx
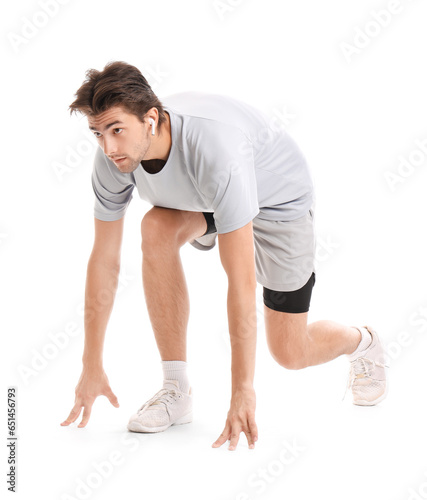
121 135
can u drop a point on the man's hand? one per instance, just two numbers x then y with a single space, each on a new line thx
240 418
92 383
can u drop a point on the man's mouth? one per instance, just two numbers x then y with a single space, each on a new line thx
118 160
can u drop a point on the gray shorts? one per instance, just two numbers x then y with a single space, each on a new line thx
284 251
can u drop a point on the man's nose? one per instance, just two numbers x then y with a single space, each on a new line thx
110 147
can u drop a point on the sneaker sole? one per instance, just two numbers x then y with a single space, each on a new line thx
362 402
137 427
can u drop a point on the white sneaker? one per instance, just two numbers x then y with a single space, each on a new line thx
167 407
367 377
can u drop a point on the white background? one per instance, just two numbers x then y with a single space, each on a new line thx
354 118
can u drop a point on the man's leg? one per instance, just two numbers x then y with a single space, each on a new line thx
164 231
284 250
294 344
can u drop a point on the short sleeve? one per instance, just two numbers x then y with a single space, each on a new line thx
112 189
227 181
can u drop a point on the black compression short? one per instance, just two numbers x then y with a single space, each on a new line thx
297 301
210 222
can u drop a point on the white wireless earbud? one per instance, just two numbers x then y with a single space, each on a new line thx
153 124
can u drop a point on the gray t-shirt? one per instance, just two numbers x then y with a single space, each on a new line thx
226 157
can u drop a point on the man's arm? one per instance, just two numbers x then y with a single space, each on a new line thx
101 285
237 257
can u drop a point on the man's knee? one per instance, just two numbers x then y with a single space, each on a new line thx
289 351
289 359
287 338
159 225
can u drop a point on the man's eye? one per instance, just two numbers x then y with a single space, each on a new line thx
98 134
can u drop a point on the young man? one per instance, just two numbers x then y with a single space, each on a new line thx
212 167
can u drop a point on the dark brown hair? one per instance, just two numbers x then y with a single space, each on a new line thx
118 84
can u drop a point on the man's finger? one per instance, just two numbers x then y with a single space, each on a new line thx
249 437
112 398
234 438
253 429
222 438
86 416
75 412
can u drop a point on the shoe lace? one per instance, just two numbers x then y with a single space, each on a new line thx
361 368
164 396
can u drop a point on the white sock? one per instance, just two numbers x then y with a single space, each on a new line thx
364 342
176 370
